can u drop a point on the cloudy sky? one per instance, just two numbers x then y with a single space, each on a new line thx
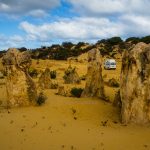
32 23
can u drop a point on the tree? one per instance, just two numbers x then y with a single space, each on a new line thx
79 45
22 49
101 41
114 41
61 54
67 45
133 40
146 39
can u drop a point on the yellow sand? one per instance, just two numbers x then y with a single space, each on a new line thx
69 123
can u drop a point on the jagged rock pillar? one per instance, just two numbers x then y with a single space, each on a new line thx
135 85
21 89
45 80
94 82
71 76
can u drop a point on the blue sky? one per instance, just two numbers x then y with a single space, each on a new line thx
26 23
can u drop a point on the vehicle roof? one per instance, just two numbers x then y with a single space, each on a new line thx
111 60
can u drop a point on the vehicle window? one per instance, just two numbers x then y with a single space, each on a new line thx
113 63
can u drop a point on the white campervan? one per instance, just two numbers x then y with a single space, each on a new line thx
110 64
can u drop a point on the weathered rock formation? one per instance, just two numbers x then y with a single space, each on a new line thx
45 79
1 75
71 76
135 85
21 89
94 81
117 100
64 91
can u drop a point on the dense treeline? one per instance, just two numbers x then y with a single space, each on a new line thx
136 40
2 53
61 52
68 49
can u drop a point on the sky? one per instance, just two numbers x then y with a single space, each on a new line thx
36 23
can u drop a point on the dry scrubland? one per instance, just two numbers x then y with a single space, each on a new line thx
69 123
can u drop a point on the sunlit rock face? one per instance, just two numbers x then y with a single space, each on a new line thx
21 89
135 85
94 82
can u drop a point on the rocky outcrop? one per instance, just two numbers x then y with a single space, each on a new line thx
21 89
64 91
1 75
117 100
94 82
135 85
45 79
71 76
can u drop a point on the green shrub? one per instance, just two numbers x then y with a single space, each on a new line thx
146 39
67 45
54 85
33 72
113 83
41 99
76 92
53 74
133 40
114 40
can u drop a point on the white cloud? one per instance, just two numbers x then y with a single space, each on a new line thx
111 7
135 25
97 19
38 13
98 6
76 29
13 41
87 28
4 7
16 39
23 7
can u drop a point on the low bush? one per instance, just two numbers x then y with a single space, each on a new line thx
53 74
33 72
41 99
54 85
76 92
113 83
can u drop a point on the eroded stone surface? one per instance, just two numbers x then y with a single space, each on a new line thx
64 91
94 81
21 89
135 85
71 76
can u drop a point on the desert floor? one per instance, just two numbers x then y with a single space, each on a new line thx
69 123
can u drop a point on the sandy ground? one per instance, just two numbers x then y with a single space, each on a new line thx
69 123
